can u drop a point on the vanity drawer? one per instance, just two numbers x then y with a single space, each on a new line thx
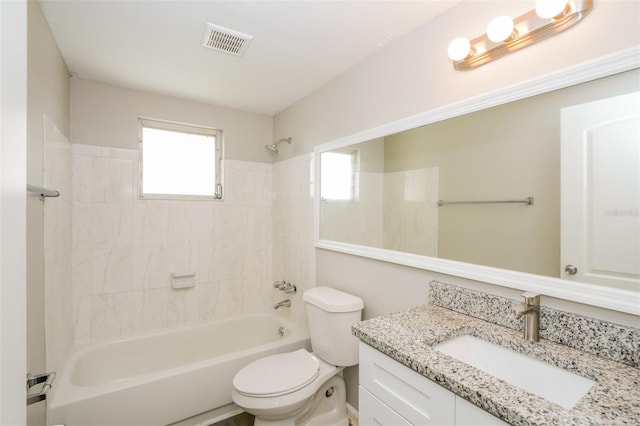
375 412
412 396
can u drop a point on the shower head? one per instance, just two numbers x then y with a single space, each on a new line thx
274 146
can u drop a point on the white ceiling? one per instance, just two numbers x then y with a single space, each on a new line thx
298 46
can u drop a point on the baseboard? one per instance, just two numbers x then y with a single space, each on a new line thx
353 415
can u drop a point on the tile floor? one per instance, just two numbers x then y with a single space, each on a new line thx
242 419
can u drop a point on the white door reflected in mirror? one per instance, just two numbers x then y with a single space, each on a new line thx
601 191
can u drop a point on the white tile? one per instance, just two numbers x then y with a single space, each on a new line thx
82 226
57 225
112 180
206 264
120 153
230 245
111 316
81 318
150 223
256 294
183 260
112 270
150 267
182 306
82 273
207 297
56 173
183 223
149 310
206 219
112 225
82 178
86 150
228 260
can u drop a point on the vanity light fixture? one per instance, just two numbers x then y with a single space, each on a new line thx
501 29
505 35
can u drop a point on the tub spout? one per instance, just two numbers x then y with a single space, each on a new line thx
284 303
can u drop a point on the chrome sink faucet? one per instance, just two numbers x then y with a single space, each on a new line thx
530 309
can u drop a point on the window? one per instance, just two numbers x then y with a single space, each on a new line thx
180 160
338 175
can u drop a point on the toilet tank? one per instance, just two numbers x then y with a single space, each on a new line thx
331 313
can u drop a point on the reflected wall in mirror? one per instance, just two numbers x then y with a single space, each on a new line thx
508 152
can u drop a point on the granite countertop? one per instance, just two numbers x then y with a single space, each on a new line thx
409 337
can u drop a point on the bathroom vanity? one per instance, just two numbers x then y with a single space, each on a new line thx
409 377
392 394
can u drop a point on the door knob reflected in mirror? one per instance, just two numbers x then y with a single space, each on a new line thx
570 270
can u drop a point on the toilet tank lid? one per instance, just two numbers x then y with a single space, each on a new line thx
332 300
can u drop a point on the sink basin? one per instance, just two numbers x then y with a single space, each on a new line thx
547 381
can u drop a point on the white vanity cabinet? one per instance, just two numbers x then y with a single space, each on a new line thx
392 394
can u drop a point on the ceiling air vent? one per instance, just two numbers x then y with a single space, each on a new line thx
225 40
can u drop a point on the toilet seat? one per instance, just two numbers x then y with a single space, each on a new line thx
277 375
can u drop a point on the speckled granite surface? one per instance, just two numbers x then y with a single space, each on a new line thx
409 337
617 342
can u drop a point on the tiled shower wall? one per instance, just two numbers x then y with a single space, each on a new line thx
395 211
356 222
57 246
124 249
411 211
293 243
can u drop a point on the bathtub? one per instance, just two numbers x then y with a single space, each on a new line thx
165 377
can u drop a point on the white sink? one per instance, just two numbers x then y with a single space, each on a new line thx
547 381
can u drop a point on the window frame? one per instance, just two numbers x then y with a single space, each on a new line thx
152 123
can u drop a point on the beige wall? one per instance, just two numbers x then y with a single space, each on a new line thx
47 93
414 75
106 115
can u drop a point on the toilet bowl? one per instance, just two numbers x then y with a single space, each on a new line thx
282 386
305 388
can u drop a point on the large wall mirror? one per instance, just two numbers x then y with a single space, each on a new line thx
485 189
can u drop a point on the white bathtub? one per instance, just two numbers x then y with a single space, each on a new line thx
166 377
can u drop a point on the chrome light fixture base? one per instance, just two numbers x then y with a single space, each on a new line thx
529 29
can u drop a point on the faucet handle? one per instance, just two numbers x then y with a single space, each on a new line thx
531 298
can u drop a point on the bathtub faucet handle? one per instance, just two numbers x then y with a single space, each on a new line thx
285 286
289 288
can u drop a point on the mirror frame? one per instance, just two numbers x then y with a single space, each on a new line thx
605 297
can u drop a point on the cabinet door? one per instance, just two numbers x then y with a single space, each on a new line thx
468 414
373 412
412 396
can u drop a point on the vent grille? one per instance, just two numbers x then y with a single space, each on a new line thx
225 40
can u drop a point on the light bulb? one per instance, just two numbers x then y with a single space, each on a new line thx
547 9
459 48
500 28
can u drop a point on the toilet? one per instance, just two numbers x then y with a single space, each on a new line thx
300 387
